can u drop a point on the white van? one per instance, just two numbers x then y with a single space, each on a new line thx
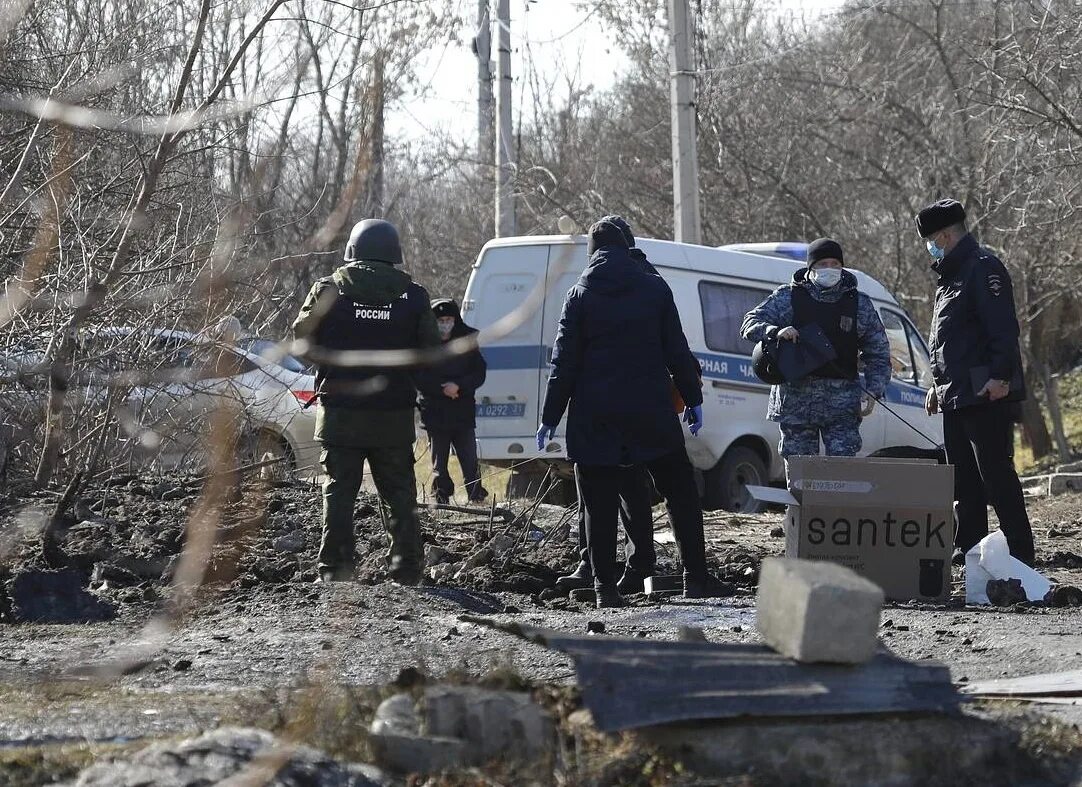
714 288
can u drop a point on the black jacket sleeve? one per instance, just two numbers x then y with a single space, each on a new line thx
994 302
567 354
475 375
683 366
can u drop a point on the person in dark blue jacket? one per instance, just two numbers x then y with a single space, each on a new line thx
448 407
619 344
636 513
977 375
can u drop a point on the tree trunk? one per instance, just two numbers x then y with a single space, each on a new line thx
1055 412
1034 429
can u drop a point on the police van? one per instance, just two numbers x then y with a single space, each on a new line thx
714 288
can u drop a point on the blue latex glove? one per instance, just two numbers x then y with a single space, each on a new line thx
693 417
544 434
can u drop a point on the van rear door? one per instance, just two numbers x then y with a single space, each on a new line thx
566 264
507 404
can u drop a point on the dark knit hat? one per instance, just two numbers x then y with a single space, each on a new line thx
624 227
944 213
445 307
824 249
604 233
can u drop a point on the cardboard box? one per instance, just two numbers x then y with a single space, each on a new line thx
890 520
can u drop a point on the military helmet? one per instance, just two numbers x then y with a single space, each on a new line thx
374 239
764 362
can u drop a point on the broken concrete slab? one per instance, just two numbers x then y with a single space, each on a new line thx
1053 484
417 753
814 611
225 754
492 723
871 752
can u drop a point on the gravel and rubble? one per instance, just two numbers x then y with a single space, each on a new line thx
265 631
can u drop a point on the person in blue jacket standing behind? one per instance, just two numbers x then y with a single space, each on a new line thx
830 402
619 344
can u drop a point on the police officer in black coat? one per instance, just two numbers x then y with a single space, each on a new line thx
977 374
448 407
619 344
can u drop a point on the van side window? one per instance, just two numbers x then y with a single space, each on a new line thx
908 356
921 360
724 307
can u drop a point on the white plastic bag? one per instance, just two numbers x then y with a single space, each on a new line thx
991 559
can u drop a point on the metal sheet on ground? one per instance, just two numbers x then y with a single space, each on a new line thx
629 683
1049 683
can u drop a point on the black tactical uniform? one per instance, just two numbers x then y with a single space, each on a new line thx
367 413
974 339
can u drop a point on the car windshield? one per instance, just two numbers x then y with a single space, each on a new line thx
265 348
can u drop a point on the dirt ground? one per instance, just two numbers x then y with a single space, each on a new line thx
266 630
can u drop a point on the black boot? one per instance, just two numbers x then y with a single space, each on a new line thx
340 574
609 596
706 586
581 577
405 573
631 583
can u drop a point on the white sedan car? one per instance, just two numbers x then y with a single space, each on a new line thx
172 381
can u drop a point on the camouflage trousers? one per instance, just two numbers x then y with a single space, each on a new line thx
840 436
392 472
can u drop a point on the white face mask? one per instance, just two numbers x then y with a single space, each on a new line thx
826 277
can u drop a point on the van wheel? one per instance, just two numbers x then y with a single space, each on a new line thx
726 481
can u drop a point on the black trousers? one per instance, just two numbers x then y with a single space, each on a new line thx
637 517
979 441
465 444
674 479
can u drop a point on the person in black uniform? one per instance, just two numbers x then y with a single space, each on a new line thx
618 342
977 374
448 408
366 413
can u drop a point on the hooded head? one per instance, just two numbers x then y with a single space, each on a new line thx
622 225
605 233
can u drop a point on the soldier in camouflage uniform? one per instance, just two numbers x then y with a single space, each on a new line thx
829 403
367 413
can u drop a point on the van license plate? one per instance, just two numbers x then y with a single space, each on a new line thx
501 410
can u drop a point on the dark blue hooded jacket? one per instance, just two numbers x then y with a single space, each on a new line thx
619 344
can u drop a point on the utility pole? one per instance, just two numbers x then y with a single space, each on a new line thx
505 194
375 177
685 157
482 47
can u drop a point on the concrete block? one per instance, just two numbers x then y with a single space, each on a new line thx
1062 483
492 723
397 715
814 611
417 753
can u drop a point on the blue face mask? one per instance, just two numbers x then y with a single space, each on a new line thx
935 250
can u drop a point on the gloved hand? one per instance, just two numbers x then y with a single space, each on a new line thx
544 434
693 417
867 404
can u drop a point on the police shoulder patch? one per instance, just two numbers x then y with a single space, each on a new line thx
995 284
